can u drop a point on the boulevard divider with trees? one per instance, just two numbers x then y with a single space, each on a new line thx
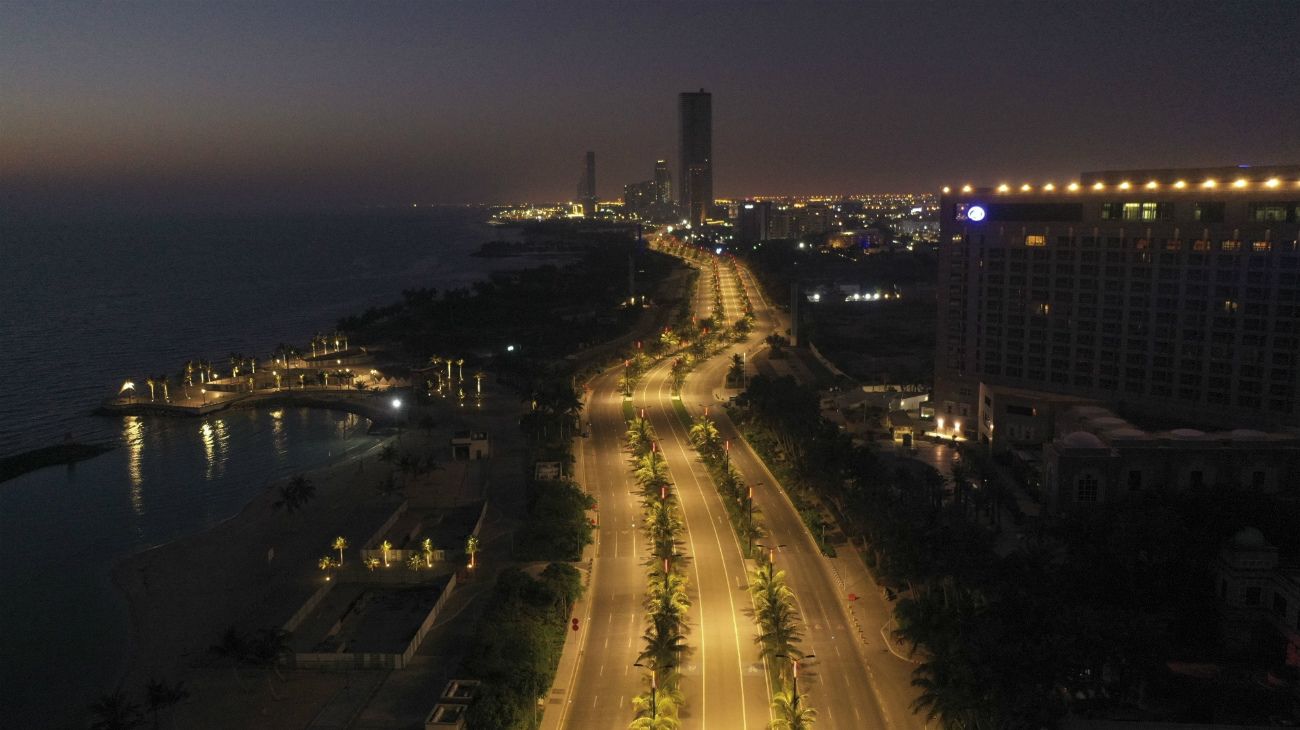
666 600
775 610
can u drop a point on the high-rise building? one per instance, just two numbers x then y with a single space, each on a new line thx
1173 293
753 221
587 188
663 184
640 199
695 145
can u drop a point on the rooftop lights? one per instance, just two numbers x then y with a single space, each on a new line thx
1098 185
965 188
1073 187
1049 187
1152 185
1003 188
1025 188
1124 185
1273 182
1240 183
1180 184
946 189
1209 183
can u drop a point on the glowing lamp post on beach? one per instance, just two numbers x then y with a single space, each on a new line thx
204 392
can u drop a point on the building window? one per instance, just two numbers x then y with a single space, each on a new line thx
1267 212
1199 246
1250 595
1086 488
1261 247
1173 244
1134 480
1209 212
1035 241
1230 246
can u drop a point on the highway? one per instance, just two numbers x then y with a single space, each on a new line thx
724 681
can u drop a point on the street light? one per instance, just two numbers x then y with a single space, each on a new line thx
654 688
204 391
771 552
794 688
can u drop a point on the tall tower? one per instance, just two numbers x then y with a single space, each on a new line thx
587 190
695 145
663 184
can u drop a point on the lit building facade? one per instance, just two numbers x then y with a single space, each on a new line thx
753 221
695 145
663 185
1168 292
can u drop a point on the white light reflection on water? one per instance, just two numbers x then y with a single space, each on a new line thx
133 435
278 438
209 449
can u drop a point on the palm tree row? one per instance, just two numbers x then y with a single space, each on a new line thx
666 600
116 711
738 498
778 639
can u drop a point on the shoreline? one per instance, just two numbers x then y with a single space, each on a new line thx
128 578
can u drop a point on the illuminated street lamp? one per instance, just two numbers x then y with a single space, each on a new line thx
794 687
771 552
204 391
654 689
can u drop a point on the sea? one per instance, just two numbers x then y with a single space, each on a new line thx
91 300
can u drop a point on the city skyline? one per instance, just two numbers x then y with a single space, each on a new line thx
295 105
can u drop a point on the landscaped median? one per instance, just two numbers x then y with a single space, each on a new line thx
666 600
775 609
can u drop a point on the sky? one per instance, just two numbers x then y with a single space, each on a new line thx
327 105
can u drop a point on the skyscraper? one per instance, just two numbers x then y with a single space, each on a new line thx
587 188
663 184
695 144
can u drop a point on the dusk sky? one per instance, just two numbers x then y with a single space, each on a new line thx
331 104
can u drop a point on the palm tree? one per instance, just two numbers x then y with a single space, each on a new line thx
371 563
427 548
296 494
471 548
149 381
736 373
639 434
269 649
478 382
340 544
791 711
414 561
234 647
386 546
162 696
703 434
664 642
327 563
116 712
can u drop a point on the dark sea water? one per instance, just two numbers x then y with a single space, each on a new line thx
88 302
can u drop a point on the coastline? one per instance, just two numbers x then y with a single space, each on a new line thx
178 570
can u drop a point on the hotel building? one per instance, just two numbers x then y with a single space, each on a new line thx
1163 294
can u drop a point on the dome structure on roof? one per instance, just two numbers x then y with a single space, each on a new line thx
1186 433
1126 432
1246 434
1082 440
1249 537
